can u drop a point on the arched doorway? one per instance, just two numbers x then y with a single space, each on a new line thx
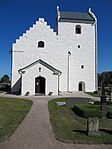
40 85
81 86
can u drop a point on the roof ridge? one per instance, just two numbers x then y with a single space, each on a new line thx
56 71
76 16
74 12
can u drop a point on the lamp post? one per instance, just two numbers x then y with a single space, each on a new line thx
69 53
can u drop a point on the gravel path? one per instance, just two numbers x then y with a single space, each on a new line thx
35 132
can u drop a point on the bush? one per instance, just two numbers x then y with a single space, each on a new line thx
96 92
109 114
6 88
88 111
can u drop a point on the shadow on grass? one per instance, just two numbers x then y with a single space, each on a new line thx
84 132
78 114
80 131
106 131
72 108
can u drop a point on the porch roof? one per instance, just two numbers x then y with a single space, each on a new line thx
54 70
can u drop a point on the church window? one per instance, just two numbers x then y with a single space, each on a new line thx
39 69
40 44
78 46
82 66
78 29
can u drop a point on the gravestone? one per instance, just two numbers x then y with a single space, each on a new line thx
102 88
70 101
93 126
110 97
59 103
104 106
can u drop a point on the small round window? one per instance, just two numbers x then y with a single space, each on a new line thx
40 44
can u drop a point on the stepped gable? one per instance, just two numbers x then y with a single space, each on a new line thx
41 20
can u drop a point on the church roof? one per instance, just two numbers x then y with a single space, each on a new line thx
78 17
54 70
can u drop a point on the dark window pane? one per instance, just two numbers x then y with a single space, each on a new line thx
78 29
41 44
78 46
82 66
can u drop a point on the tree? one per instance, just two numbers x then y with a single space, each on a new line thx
104 76
5 79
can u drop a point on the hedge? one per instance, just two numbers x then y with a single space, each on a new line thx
88 110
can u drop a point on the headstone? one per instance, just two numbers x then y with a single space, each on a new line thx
102 88
93 126
104 106
61 103
70 101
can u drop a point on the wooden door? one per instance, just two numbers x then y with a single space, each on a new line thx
40 85
37 85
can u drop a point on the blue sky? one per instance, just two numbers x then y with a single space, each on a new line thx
16 16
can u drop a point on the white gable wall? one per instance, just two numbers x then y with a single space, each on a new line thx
51 83
54 52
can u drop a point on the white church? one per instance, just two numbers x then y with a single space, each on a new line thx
47 62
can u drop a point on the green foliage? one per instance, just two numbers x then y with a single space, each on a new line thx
12 112
88 110
104 76
5 79
110 107
1 91
98 94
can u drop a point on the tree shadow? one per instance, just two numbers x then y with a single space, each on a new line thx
81 131
106 131
77 113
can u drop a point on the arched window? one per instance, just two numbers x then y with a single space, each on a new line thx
82 66
40 44
81 86
78 29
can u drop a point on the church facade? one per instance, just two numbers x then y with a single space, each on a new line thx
48 62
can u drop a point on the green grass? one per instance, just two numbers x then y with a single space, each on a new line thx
94 94
1 91
68 127
12 112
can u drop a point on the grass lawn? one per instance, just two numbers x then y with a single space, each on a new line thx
68 127
1 91
94 94
12 112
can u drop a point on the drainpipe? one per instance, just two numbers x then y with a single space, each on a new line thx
68 71
96 56
58 81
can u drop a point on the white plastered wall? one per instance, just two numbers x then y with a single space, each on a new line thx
85 55
26 51
28 80
54 52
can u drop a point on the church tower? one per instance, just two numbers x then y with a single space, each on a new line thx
78 30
